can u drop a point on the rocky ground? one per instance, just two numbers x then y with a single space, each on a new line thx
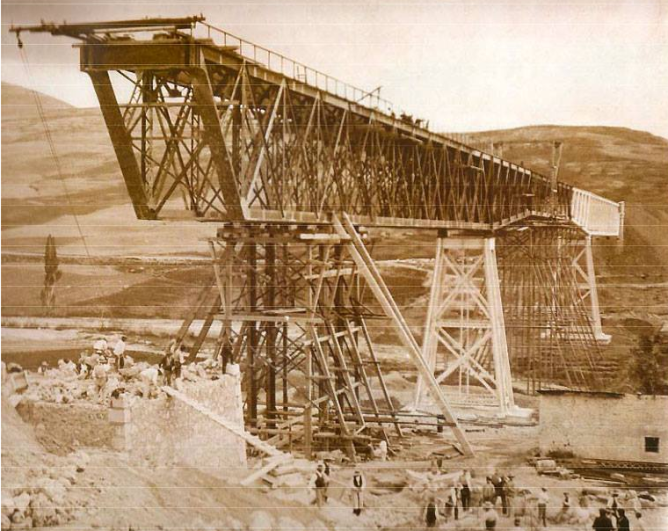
99 488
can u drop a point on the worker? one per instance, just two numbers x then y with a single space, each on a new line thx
489 516
634 503
499 494
613 504
381 451
119 352
488 490
430 511
149 379
100 346
100 374
451 502
602 522
622 521
358 485
226 355
465 492
543 499
564 513
320 482
179 362
167 366
509 492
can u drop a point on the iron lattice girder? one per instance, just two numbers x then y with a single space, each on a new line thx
270 147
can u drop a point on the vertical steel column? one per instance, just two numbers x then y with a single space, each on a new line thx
253 334
270 335
504 382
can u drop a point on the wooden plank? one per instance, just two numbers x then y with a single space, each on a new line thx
271 465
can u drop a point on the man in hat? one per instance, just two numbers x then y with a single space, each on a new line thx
543 499
358 485
602 522
489 516
319 482
613 507
100 346
565 512
509 495
119 352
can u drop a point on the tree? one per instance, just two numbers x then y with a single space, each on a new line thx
648 368
51 276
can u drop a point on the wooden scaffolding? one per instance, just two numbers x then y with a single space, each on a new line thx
293 302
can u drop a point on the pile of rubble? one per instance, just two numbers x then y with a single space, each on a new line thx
47 495
65 385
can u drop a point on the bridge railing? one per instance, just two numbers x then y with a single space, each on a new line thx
299 71
595 214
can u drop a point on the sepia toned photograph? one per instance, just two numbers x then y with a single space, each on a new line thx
329 265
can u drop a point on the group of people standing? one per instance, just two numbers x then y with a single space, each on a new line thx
320 482
614 517
172 362
102 361
500 489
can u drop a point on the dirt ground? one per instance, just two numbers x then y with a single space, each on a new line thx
109 492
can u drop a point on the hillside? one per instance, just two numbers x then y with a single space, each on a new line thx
617 163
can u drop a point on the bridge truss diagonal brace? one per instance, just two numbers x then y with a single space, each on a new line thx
122 143
465 333
368 269
215 138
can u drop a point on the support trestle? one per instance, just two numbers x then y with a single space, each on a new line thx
464 339
551 311
292 302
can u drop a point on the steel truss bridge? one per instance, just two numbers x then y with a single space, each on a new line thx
294 166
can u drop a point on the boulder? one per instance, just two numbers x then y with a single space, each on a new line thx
261 521
22 502
232 524
54 490
8 505
43 512
289 524
14 367
25 523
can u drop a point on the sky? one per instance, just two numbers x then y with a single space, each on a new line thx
462 65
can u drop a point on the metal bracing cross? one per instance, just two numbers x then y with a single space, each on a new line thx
465 318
